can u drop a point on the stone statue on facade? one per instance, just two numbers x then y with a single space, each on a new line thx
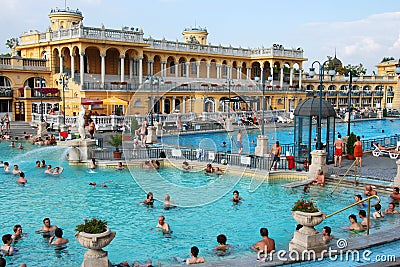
81 122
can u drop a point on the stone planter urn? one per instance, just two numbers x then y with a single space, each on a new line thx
307 237
308 220
95 256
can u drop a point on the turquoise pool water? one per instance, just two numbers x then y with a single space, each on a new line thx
285 135
68 199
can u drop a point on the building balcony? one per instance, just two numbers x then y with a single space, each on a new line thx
18 63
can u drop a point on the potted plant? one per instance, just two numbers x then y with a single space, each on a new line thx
116 141
94 235
307 214
350 146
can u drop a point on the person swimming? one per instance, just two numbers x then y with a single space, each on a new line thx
236 198
149 201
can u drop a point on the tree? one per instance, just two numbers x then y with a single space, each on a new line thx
356 70
12 42
386 59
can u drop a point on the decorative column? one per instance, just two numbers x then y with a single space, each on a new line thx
218 71
300 78
122 59
130 68
176 69
140 70
72 65
230 72
163 105
61 63
281 79
150 67
198 69
208 70
272 74
187 65
248 73
262 74
291 76
163 68
239 73
82 66
173 104
183 105
103 68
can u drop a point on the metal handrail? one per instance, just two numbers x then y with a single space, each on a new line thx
359 202
344 175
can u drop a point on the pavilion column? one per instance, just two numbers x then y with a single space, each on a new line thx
140 70
262 74
198 69
281 80
103 68
72 65
208 70
163 68
163 105
61 63
150 69
218 71
300 78
82 66
183 105
122 59
130 68
272 74
239 73
176 69
173 104
248 72
187 65
291 77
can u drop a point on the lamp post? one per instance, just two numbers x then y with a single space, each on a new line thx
63 80
331 72
229 82
41 81
349 78
153 80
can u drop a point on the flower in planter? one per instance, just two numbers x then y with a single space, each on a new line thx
305 206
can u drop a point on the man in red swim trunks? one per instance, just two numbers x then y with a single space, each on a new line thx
339 144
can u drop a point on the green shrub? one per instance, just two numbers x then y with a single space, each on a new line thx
92 226
350 144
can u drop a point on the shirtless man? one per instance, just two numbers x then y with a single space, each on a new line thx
364 220
60 240
47 227
395 195
22 180
265 245
168 204
164 227
354 225
326 232
49 170
194 253
276 151
6 166
339 144
369 191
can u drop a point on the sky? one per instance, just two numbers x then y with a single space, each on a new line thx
361 31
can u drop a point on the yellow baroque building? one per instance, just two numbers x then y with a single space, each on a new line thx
163 76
